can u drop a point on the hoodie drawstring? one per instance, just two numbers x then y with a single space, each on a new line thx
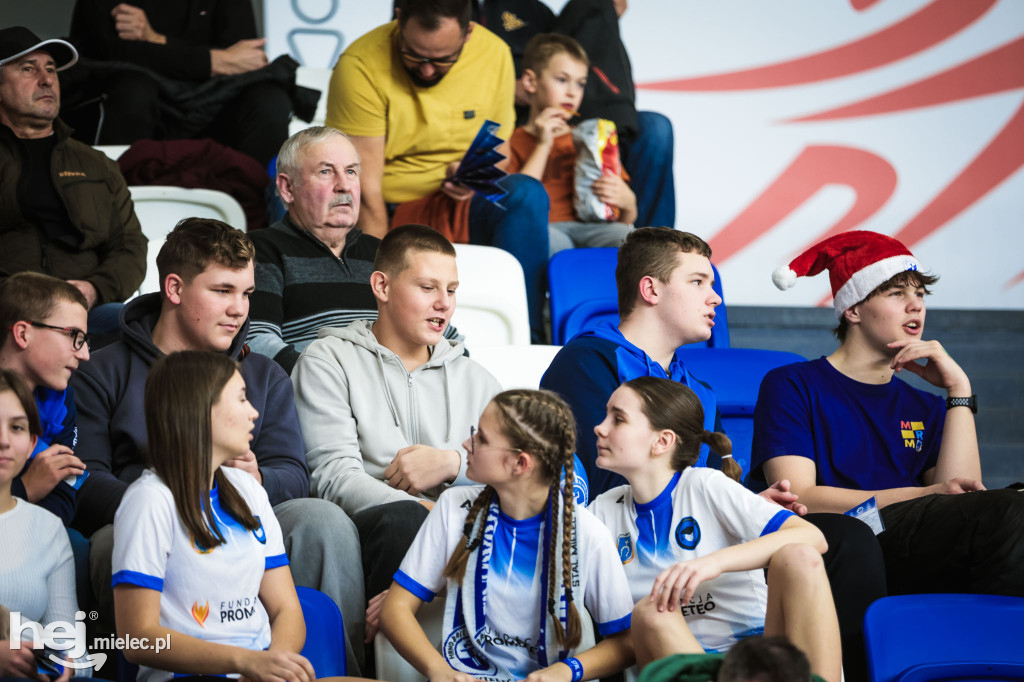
387 391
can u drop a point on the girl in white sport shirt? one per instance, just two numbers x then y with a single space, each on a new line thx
518 558
694 542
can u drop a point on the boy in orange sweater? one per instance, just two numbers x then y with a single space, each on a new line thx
554 75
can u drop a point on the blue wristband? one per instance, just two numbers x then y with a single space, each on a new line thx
576 667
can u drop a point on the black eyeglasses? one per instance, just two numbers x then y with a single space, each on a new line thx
439 62
78 337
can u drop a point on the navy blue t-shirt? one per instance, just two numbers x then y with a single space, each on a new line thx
860 436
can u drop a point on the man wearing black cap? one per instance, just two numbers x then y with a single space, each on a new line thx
64 207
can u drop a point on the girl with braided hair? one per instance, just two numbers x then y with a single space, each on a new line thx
519 559
694 542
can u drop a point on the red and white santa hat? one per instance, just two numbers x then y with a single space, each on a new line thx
857 263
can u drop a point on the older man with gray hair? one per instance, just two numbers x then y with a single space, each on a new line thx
313 266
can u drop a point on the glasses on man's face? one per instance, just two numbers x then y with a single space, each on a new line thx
438 62
78 337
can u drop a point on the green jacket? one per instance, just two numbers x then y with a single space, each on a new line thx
687 668
112 254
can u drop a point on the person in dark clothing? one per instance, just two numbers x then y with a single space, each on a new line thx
190 41
64 208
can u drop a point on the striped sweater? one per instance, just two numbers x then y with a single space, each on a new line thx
301 287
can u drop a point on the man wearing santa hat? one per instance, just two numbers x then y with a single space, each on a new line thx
845 430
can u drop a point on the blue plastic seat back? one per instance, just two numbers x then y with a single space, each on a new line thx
584 293
945 637
735 375
325 633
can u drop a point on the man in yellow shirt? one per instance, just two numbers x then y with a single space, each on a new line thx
412 94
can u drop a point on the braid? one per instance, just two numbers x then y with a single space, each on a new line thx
456 566
552 553
541 423
572 616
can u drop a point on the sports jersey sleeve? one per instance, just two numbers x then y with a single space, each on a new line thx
741 512
422 569
143 532
607 595
354 104
782 419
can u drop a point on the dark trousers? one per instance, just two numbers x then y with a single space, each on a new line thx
972 542
254 123
385 533
856 574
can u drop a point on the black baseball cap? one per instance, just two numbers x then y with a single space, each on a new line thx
18 41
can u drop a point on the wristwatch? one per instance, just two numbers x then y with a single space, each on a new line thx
971 402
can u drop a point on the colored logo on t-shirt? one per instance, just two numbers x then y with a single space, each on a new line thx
625 548
688 533
259 533
201 613
913 434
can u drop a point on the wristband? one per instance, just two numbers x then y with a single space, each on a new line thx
576 667
971 403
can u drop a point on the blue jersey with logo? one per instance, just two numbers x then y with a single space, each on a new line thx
208 593
699 512
860 436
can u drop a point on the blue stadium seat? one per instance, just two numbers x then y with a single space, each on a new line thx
911 638
325 633
735 375
583 293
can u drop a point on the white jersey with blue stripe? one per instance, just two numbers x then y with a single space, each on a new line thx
208 593
700 511
514 593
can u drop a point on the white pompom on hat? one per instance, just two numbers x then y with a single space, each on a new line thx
857 263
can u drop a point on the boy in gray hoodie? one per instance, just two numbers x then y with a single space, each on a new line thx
384 405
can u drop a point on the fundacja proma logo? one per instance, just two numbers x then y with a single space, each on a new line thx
67 639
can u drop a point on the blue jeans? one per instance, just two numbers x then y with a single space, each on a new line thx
649 159
521 228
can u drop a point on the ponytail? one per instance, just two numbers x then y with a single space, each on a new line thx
721 444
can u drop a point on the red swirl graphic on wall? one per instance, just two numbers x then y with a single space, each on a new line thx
871 177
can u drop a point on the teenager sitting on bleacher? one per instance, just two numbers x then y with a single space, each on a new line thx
666 300
385 405
845 430
206 277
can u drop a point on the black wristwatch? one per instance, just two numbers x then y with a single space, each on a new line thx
971 402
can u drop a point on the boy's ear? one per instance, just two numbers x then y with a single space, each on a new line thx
852 314
379 284
172 288
648 290
20 331
529 79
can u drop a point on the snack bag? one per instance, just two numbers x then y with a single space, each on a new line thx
597 151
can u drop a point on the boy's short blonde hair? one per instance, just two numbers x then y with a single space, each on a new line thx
543 46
